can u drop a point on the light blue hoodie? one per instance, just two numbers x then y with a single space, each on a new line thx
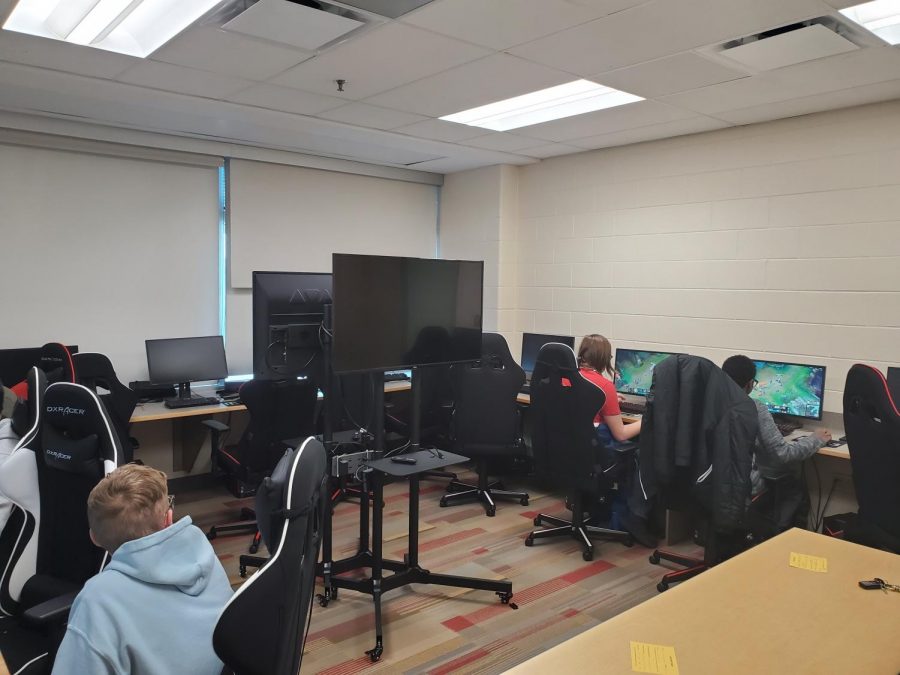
151 611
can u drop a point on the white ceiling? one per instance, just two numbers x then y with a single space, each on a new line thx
449 55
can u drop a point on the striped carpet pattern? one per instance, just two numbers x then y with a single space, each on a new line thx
435 629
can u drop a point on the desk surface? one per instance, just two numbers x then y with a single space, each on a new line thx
151 412
756 614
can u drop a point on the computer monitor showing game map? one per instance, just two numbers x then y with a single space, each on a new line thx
794 389
634 370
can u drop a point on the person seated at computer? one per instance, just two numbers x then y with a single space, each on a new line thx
595 359
776 460
153 608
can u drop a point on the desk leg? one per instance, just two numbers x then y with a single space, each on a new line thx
377 545
413 555
329 592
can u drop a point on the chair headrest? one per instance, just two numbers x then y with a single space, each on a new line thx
556 355
56 362
867 383
73 413
290 490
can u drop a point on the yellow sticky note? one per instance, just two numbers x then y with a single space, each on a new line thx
657 659
809 562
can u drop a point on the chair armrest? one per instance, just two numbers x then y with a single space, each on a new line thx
626 447
53 611
216 425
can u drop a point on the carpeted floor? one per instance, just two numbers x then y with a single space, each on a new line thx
433 629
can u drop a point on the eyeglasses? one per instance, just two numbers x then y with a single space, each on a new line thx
755 382
172 502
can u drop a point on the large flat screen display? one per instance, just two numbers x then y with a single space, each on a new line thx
392 312
634 370
794 389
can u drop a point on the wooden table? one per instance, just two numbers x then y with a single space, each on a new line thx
756 614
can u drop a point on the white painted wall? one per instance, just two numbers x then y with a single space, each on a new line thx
778 240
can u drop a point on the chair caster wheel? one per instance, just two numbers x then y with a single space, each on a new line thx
211 534
524 501
504 597
242 570
662 586
254 548
323 601
654 558
587 556
537 521
375 653
443 501
491 512
529 540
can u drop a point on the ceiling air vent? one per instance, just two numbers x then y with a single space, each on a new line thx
305 24
785 46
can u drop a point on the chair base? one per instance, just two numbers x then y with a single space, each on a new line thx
692 567
248 515
458 492
578 529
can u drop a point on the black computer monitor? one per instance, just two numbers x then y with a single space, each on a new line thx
288 309
532 343
794 389
392 312
634 370
893 382
184 360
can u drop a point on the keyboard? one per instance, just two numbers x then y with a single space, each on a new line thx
633 408
191 402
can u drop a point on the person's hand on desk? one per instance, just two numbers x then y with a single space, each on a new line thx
620 397
823 435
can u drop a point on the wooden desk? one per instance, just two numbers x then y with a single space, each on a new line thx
3 669
756 614
152 412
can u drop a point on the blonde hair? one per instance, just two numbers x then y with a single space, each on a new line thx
595 352
129 503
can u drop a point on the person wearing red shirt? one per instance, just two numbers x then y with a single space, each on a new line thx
595 359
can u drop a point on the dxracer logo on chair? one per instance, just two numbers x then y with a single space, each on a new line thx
58 455
65 410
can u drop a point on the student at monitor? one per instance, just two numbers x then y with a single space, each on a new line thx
595 359
153 608
776 460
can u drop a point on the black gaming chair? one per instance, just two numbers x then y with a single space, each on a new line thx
280 410
566 448
486 420
95 371
872 424
49 478
262 629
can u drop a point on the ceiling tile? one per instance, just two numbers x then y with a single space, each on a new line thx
371 116
660 28
651 132
640 114
505 142
870 93
381 59
668 75
286 99
477 83
550 150
866 66
31 50
182 80
219 51
439 130
503 23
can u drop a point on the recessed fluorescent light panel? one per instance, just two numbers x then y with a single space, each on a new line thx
134 27
564 100
881 17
